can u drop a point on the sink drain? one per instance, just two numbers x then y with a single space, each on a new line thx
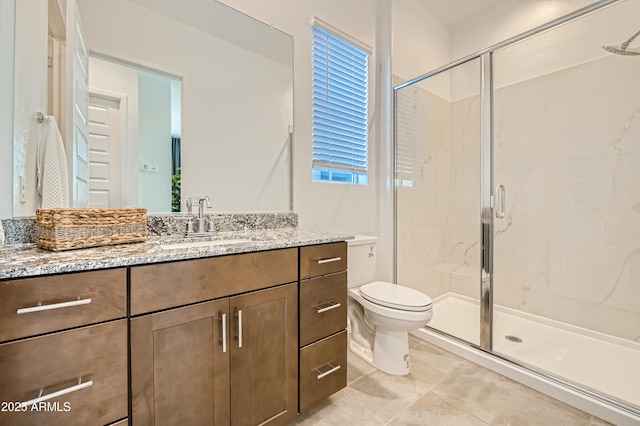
514 339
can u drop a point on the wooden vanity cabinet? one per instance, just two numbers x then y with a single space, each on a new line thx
31 306
231 360
323 322
76 372
264 356
179 366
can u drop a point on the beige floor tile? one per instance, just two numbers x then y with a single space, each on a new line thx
442 389
433 410
524 409
554 402
357 367
476 390
437 358
425 369
385 395
340 409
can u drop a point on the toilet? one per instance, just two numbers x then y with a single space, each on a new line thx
380 313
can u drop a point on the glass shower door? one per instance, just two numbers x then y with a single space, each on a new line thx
567 254
438 227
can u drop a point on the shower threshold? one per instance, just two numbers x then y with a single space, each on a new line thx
604 363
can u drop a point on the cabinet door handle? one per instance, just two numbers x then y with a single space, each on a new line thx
326 373
224 333
328 308
56 394
240 328
329 260
53 306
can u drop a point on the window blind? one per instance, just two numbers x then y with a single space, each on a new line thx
340 109
412 130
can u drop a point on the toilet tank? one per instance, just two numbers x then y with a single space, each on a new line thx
361 260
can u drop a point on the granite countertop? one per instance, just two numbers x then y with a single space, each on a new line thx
27 260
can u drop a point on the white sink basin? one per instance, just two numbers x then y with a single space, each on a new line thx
204 244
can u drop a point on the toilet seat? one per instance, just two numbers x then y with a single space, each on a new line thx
395 296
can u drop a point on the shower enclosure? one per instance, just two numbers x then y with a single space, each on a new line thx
518 201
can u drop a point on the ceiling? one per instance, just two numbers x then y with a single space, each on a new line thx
453 12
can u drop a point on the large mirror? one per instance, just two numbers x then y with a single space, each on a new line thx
179 99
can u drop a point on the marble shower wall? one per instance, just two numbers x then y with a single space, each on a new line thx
438 197
567 148
424 135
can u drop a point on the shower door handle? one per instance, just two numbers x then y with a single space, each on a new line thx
500 198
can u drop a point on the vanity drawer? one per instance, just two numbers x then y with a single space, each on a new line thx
92 297
323 369
167 285
322 259
323 307
96 355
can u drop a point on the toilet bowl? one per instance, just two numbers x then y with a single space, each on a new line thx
380 313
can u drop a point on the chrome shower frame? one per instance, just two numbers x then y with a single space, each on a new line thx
548 383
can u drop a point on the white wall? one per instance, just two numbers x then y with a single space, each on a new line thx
7 12
323 206
505 20
154 144
421 43
30 96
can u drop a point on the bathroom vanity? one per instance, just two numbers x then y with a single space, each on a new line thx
142 334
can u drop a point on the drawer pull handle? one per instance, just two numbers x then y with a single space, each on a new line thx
326 373
328 308
240 328
53 306
56 394
329 260
224 333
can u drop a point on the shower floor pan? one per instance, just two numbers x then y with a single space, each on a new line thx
595 360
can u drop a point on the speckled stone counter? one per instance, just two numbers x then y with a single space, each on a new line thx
266 232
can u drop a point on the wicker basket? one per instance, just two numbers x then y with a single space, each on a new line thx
67 229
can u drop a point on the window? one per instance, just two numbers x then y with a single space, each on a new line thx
340 100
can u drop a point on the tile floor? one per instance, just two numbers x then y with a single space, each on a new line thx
442 389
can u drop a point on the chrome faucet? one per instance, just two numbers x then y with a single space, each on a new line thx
199 229
203 199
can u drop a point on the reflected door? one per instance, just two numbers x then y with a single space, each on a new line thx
105 152
78 99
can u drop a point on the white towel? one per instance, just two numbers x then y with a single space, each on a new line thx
51 170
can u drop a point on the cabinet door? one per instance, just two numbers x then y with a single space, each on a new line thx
264 358
180 366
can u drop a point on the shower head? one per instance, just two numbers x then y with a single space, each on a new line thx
623 49
619 51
